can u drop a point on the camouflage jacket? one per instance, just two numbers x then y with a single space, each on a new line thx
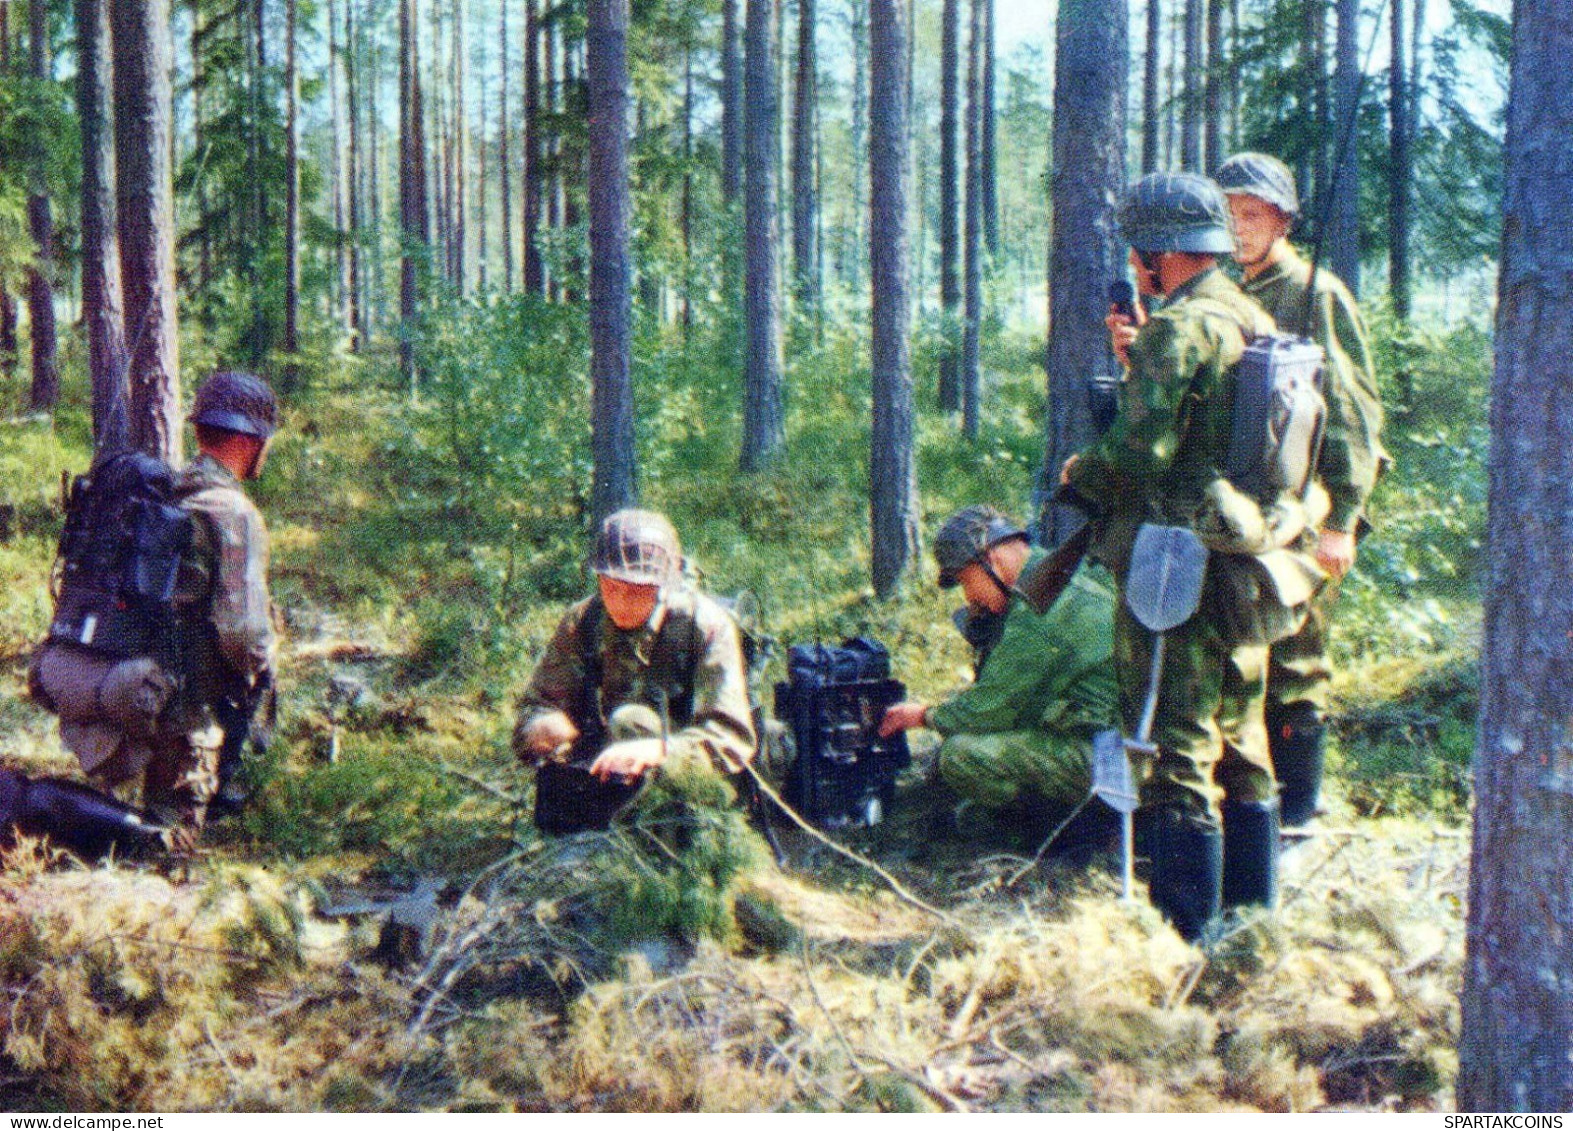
227 576
1053 670
687 658
1352 454
1171 437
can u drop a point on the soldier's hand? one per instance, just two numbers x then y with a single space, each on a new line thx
1065 469
546 735
902 716
1122 332
1335 551
629 759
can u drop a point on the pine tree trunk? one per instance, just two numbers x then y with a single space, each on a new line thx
949 205
1091 56
731 101
551 142
1516 1045
359 320
534 149
972 267
612 416
504 163
1175 92
482 239
1399 168
1343 233
291 199
259 187
893 490
990 178
461 152
146 216
1151 132
413 230
40 287
373 301
339 175
853 267
1195 80
764 427
805 203
103 311
1212 155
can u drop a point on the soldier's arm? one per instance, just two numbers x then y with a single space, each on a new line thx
1023 670
1351 448
557 684
241 610
722 728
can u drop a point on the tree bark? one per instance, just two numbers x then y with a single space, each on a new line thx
949 202
1088 176
8 315
1399 168
146 216
1151 132
291 199
612 417
805 201
460 138
972 266
339 174
504 163
1343 233
989 185
359 313
764 424
893 491
1516 1045
103 310
413 230
1212 154
853 267
40 287
534 150
731 101
1195 80
259 188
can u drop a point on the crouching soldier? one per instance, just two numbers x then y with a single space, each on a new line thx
1019 739
646 673
162 641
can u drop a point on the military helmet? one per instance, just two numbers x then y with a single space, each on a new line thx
1176 212
1262 176
236 402
638 546
966 536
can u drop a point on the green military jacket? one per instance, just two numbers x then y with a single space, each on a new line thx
1053 670
687 659
1171 437
1352 454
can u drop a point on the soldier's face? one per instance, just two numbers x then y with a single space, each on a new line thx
629 605
980 590
1257 227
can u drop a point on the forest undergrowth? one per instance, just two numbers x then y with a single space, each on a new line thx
383 929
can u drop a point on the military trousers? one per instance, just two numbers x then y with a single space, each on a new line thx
1209 727
1298 669
997 770
179 772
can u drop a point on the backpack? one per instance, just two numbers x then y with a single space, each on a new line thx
1278 417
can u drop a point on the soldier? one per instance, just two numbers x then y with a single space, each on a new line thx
1020 737
1264 204
1209 794
645 673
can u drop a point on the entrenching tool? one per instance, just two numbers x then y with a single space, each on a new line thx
1162 590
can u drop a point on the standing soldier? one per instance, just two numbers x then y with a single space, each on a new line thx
1209 793
1264 205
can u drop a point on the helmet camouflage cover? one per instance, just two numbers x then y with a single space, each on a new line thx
966 536
638 546
1176 212
236 402
1262 176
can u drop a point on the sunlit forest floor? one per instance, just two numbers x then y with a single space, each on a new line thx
421 555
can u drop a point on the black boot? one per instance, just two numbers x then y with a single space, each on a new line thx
1297 739
1186 882
1250 853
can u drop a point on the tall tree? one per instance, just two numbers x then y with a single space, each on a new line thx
853 266
731 100
414 233
805 196
989 184
1400 169
504 165
359 300
257 61
146 217
40 286
1088 175
102 308
949 204
1516 1045
339 172
893 489
1343 229
972 255
460 140
1212 108
612 414
1195 80
1150 72
534 150
291 196
8 315
764 414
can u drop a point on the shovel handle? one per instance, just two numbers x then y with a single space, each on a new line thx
1150 709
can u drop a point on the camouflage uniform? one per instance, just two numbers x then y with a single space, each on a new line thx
1155 463
686 661
1352 457
1024 728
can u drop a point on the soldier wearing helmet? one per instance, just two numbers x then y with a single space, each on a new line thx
1264 203
1209 793
1018 740
643 673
